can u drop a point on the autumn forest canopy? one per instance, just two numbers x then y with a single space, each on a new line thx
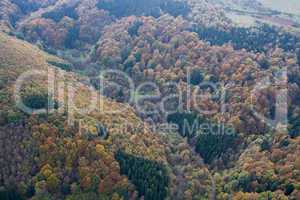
149 99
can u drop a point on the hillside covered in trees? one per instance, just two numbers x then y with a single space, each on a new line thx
199 108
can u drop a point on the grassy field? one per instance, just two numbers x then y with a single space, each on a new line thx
290 6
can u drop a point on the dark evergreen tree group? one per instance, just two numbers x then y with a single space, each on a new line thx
72 36
149 177
294 124
257 39
9 195
58 14
26 6
212 145
122 8
211 139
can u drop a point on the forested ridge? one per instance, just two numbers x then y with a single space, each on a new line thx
257 39
226 153
43 157
144 8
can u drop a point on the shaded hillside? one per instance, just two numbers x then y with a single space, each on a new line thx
229 95
11 11
264 171
145 8
258 39
51 158
162 50
81 23
55 159
70 25
158 52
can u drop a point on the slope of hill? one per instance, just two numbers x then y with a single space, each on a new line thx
227 96
11 11
78 24
291 7
162 51
276 12
53 158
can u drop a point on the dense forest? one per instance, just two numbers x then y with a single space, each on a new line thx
26 6
153 8
150 178
211 132
58 14
257 39
211 141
